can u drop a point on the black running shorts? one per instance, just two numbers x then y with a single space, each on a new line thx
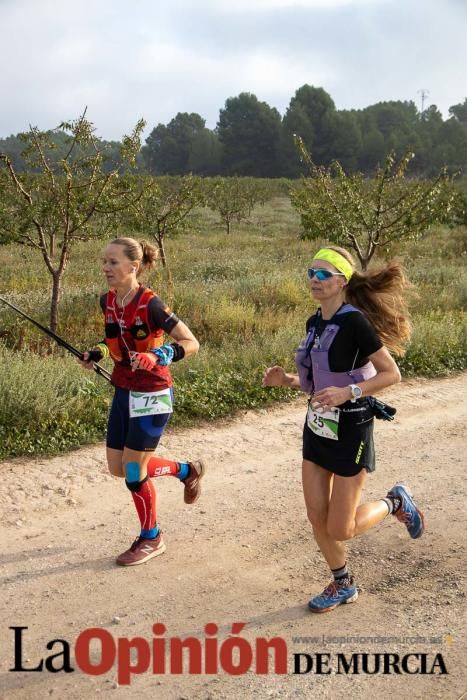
353 450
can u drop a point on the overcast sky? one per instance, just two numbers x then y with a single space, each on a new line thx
154 58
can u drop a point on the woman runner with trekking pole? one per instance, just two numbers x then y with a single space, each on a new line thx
135 322
343 360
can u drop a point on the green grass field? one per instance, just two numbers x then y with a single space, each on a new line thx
246 298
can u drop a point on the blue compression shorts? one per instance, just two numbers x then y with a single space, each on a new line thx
141 434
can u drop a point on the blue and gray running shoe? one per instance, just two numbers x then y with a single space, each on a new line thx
333 595
408 513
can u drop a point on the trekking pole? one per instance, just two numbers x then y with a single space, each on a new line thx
61 341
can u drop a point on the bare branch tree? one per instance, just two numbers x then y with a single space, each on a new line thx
367 214
164 208
56 202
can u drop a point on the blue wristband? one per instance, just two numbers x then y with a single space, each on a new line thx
164 354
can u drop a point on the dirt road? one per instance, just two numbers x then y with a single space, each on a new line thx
244 553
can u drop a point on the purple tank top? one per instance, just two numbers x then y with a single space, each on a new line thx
312 360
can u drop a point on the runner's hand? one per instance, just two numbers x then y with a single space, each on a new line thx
330 397
274 376
86 362
143 360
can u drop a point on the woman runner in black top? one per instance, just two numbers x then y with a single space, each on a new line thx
343 360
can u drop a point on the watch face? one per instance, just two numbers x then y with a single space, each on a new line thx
356 392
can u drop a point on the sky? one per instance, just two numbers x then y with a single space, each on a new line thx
155 58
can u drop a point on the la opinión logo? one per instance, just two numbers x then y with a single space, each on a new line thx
96 652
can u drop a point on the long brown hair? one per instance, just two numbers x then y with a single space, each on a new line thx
381 294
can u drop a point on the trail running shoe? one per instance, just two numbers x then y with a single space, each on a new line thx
141 551
333 595
192 482
408 513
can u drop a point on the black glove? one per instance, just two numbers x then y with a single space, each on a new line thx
98 353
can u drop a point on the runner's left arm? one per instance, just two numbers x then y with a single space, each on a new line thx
161 316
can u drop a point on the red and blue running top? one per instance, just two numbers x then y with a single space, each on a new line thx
137 327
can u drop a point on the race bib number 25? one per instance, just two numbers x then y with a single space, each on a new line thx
150 403
324 424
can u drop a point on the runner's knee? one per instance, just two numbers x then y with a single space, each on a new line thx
116 469
132 476
317 518
341 531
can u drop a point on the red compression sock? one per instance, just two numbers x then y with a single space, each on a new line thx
158 466
145 502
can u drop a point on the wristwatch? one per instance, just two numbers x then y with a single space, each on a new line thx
356 392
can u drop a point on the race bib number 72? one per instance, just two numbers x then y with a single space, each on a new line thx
150 403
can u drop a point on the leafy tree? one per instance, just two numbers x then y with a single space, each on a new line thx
249 132
158 144
431 121
373 149
205 154
62 200
169 149
451 146
13 146
366 215
395 117
309 116
459 111
385 127
345 139
295 123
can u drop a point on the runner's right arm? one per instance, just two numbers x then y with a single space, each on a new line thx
277 376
